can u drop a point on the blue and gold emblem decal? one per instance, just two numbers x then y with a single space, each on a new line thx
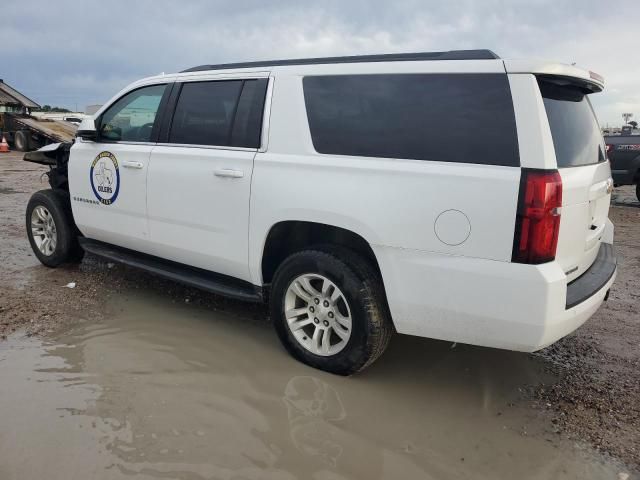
105 178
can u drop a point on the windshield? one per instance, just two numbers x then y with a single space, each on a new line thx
574 128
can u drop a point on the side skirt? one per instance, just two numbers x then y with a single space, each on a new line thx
192 276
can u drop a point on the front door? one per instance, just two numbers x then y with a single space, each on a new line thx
108 177
200 175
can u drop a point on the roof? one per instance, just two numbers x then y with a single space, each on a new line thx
6 99
10 96
391 57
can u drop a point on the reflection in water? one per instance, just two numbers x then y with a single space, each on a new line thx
312 407
169 391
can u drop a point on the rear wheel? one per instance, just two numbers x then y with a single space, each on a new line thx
22 141
638 191
329 310
50 228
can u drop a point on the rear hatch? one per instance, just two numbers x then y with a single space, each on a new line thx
584 169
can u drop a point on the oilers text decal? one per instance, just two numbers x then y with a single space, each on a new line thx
105 178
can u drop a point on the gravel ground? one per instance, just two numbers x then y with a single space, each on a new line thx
596 398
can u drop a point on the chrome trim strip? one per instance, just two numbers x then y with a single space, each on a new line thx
205 76
209 147
266 117
127 143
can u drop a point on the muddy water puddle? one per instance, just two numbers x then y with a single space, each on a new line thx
164 390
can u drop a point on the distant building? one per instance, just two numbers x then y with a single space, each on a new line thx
624 130
13 101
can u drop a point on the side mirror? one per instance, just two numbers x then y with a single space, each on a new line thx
87 129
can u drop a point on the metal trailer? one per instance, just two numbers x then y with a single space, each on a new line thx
26 133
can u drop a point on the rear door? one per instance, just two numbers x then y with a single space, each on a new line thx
108 177
585 172
199 181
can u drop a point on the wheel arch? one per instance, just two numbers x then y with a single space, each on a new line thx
289 236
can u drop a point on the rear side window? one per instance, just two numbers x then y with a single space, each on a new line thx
204 113
576 135
219 113
248 123
465 118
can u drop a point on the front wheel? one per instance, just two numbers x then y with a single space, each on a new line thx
51 230
329 310
638 191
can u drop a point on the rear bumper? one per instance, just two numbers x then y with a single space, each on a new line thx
596 277
490 303
564 323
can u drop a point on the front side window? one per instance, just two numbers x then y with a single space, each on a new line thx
132 117
465 118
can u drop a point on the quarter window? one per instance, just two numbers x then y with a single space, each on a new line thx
466 118
132 117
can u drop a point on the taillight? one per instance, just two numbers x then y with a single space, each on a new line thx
538 216
609 147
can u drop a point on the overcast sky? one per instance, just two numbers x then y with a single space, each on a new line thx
77 52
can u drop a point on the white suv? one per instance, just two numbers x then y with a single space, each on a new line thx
451 195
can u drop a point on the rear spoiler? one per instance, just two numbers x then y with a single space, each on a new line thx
586 79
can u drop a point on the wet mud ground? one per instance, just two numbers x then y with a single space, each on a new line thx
127 375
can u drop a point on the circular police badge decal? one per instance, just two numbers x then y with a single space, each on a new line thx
105 178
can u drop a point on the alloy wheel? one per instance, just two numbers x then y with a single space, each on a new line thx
43 230
318 314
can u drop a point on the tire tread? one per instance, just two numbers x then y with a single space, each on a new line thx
58 203
371 293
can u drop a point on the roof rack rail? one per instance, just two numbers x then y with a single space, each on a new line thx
390 57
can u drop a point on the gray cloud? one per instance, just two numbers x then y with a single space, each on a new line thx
72 52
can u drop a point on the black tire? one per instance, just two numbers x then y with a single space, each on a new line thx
638 191
22 141
363 290
67 249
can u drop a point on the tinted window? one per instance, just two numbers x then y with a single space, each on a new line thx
248 123
465 118
204 113
576 135
133 116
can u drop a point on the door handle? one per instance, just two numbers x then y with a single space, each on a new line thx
227 172
130 164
